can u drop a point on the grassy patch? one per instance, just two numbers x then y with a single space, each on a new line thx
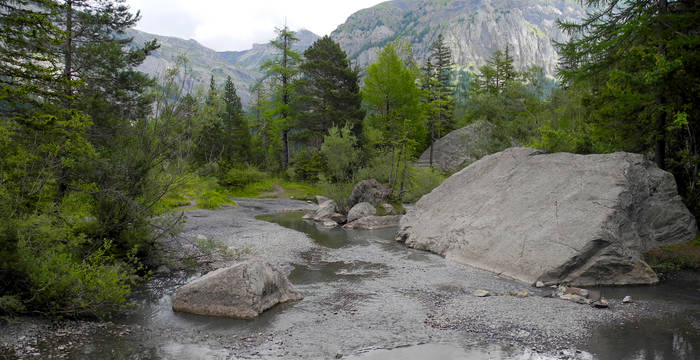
195 192
675 257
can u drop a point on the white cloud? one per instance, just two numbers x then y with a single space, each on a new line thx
236 25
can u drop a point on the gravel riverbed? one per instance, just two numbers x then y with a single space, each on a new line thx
363 292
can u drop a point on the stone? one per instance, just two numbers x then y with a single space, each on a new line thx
328 223
321 199
575 298
522 294
325 210
361 210
374 222
481 293
600 304
201 237
459 148
242 291
627 299
339 218
163 270
388 209
370 191
539 284
308 216
554 218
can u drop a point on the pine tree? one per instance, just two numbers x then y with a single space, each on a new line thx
235 125
440 99
639 59
283 69
328 91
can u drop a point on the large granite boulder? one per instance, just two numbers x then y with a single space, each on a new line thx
370 191
325 211
361 210
458 148
553 218
241 291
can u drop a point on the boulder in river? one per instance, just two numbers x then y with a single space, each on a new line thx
553 218
242 291
370 191
325 210
361 210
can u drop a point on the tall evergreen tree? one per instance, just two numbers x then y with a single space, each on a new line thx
640 59
439 92
328 91
283 69
235 125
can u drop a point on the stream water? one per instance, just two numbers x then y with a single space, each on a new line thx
348 309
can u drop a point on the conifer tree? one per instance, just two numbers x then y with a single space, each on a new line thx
235 125
440 99
328 91
283 69
639 59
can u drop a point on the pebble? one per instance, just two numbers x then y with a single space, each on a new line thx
627 299
539 284
481 293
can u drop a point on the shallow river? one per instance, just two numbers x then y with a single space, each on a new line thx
365 298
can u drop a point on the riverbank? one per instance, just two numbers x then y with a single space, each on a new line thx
363 292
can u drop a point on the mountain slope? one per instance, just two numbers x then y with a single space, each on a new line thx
473 29
203 61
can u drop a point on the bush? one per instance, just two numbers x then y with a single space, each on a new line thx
307 166
240 177
212 199
65 277
339 150
422 181
338 192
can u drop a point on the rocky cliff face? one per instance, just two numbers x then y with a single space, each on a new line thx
473 29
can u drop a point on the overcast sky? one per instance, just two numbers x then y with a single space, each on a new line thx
237 24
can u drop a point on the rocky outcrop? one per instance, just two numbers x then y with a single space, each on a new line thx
325 211
361 210
374 222
553 218
459 148
370 191
472 30
241 291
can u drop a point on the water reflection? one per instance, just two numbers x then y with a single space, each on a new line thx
676 338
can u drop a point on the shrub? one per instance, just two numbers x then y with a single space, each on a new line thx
422 181
308 165
339 150
240 177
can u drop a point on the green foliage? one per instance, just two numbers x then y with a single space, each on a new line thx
308 166
328 92
675 257
421 182
338 192
638 61
240 177
395 109
340 153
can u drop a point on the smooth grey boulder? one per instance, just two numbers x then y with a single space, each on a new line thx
553 218
361 210
242 291
325 210
458 148
320 199
370 191
374 222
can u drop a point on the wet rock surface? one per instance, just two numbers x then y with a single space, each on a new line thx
364 292
553 218
243 291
